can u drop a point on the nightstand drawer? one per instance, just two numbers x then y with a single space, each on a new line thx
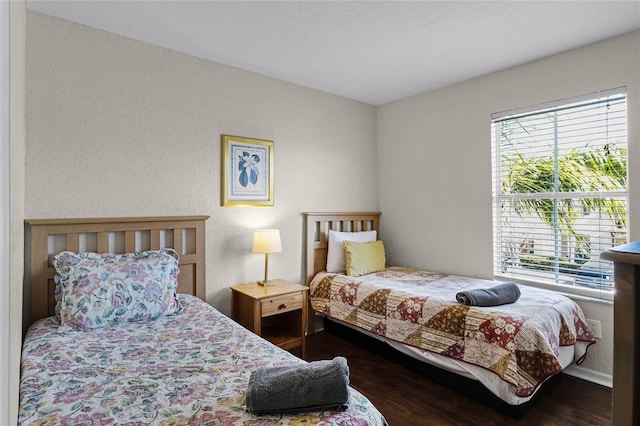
280 304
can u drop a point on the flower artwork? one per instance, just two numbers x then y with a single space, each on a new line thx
247 172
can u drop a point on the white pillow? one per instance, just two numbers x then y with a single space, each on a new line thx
335 252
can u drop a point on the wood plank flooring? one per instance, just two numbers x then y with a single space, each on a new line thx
406 396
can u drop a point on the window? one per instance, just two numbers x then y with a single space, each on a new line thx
560 191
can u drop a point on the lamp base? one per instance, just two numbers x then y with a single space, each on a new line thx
266 283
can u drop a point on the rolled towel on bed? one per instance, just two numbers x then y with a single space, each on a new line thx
316 386
500 294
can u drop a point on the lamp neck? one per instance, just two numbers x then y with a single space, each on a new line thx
266 269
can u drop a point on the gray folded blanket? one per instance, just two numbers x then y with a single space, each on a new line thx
315 386
500 294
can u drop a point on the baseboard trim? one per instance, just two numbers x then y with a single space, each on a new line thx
590 375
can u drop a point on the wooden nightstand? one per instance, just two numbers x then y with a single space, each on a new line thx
278 313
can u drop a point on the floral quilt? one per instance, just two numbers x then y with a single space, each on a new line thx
191 368
519 342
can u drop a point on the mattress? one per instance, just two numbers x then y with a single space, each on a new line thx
511 349
192 367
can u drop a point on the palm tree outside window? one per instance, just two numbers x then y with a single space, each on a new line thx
560 190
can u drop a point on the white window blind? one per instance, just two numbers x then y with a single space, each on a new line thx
560 191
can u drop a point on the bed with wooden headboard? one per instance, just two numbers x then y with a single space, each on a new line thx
416 313
318 226
47 237
175 366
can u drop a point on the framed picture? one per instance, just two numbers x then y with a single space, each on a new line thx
247 172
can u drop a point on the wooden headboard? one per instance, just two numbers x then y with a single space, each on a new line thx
318 226
47 237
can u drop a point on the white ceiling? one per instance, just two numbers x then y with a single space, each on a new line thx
371 51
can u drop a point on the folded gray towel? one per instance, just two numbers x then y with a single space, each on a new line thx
500 294
316 386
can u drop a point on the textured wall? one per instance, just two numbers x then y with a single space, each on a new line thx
117 127
434 161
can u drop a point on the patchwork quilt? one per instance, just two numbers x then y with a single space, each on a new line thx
191 368
519 342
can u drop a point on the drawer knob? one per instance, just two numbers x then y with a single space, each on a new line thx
283 306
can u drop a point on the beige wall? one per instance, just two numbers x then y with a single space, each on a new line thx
118 127
434 161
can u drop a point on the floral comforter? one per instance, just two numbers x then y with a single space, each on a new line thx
189 368
519 342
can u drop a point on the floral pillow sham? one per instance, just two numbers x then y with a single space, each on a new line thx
103 290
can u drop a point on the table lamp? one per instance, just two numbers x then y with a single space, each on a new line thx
266 241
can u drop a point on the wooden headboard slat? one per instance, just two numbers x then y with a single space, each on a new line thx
73 242
40 280
103 242
155 239
130 241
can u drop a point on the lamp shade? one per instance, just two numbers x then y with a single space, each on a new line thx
266 241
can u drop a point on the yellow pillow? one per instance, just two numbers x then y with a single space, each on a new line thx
364 258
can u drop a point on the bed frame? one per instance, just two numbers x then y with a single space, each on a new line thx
47 237
317 228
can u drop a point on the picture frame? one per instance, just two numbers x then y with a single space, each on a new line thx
247 172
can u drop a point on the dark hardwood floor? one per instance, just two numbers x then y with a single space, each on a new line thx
406 396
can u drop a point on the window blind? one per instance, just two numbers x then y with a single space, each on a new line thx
560 191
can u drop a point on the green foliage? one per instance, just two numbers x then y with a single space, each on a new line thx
588 171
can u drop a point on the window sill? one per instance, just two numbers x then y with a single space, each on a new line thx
575 293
